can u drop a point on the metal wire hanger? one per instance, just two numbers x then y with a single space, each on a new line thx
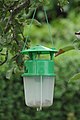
50 34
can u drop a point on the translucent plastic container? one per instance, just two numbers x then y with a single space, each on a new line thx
39 90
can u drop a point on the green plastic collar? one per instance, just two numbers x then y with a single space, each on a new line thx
39 67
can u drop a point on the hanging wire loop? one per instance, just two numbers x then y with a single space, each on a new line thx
49 28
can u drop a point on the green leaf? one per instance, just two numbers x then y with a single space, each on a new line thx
35 22
63 2
9 74
65 49
77 44
75 77
1 49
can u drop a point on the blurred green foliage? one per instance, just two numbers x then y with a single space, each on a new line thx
64 19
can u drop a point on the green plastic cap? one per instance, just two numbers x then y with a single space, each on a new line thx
39 49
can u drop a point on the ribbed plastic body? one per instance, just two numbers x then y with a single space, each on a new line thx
38 90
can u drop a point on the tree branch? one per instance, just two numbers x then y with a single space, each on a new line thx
14 12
